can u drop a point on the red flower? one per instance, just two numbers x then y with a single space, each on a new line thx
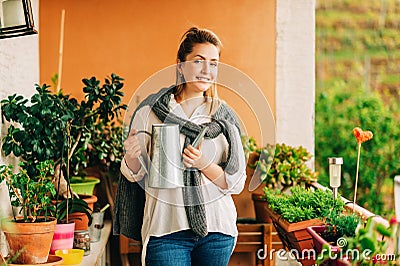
362 136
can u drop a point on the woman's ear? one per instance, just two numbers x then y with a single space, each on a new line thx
179 66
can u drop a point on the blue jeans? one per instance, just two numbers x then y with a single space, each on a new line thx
184 248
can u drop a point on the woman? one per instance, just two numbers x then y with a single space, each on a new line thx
194 225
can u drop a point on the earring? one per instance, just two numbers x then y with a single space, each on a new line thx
179 79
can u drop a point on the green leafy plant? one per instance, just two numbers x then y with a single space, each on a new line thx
54 124
341 225
303 203
283 166
338 109
371 243
32 194
57 127
68 206
44 119
368 238
106 150
337 227
104 155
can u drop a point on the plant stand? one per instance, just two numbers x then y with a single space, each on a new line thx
252 238
294 236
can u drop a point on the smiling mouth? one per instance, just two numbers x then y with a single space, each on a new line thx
205 79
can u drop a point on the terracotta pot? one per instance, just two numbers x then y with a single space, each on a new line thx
259 207
80 218
31 241
63 237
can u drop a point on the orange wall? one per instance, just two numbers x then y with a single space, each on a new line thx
135 39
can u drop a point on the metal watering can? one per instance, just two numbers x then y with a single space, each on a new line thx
166 170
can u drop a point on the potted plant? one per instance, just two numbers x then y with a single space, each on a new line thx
72 214
292 213
30 233
280 167
104 155
58 127
367 246
54 123
328 238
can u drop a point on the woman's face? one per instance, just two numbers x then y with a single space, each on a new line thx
201 67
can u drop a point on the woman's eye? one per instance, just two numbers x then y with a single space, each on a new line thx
212 64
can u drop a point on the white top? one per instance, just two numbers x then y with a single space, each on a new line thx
164 211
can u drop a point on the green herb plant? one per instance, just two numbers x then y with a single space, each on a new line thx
303 203
33 195
341 225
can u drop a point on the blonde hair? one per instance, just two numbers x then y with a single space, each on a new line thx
191 37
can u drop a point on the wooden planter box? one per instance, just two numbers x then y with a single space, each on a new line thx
295 236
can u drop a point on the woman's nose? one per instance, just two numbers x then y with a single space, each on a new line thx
206 67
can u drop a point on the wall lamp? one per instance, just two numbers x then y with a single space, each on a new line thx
16 18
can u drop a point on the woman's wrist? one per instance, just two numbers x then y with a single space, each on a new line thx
215 174
133 165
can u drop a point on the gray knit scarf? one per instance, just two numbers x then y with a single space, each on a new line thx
223 121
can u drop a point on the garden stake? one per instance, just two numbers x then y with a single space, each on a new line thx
355 186
361 136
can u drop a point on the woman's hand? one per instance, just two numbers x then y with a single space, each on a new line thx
193 157
132 151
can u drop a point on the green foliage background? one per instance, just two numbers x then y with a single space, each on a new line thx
358 84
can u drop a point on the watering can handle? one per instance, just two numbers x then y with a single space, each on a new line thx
142 131
140 158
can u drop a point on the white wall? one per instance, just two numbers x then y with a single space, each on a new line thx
19 65
19 61
295 72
